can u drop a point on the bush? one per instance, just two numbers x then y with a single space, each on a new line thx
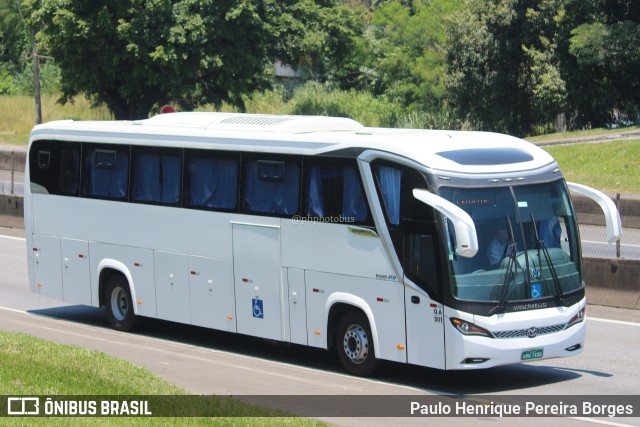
316 99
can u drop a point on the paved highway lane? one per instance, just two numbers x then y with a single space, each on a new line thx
211 362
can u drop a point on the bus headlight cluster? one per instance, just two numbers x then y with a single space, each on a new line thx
578 318
468 328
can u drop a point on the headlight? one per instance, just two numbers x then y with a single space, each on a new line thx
578 318
468 328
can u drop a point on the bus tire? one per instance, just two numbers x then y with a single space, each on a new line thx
119 304
354 344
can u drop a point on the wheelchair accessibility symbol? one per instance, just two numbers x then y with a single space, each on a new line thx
258 306
536 290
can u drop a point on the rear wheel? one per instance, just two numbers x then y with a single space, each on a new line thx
354 343
119 304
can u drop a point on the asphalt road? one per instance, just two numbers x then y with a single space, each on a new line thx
210 362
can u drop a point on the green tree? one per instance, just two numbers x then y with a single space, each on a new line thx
13 38
404 56
503 70
134 54
602 64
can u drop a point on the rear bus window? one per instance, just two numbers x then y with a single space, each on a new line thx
54 167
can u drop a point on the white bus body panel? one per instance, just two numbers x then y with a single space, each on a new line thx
212 293
257 279
76 275
297 306
172 287
425 328
46 266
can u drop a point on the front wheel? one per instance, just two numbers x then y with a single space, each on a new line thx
354 343
119 304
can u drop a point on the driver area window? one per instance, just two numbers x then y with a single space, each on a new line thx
411 223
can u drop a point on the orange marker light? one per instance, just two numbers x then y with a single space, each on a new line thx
39 285
317 332
400 347
139 302
230 317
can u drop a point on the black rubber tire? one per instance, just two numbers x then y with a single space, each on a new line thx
354 344
119 304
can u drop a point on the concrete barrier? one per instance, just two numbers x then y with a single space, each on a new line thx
11 211
589 212
612 282
12 159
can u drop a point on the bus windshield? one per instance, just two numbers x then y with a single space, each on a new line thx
528 245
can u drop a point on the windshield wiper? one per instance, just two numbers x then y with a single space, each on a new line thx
543 246
512 249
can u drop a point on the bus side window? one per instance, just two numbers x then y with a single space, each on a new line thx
55 167
211 181
105 172
334 190
271 186
156 176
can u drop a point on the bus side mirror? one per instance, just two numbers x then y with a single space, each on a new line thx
465 230
611 214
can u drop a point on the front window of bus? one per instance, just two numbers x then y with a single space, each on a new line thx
528 245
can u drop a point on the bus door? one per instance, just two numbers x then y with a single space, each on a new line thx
257 280
425 329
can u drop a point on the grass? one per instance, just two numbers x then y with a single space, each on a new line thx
609 166
18 115
31 366
579 133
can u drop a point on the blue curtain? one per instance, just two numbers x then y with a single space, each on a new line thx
156 178
108 181
389 179
274 197
316 192
146 178
550 232
171 179
353 203
213 183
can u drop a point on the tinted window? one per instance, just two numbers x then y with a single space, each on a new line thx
105 171
395 186
272 186
487 156
55 166
156 176
211 181
334 190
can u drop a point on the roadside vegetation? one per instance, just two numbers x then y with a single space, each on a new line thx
18 115
34 367
612 167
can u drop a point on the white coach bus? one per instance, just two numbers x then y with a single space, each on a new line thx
452 250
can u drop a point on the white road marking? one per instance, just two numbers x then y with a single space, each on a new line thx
617 322
13 238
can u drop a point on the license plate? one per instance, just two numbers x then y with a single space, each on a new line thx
531 354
